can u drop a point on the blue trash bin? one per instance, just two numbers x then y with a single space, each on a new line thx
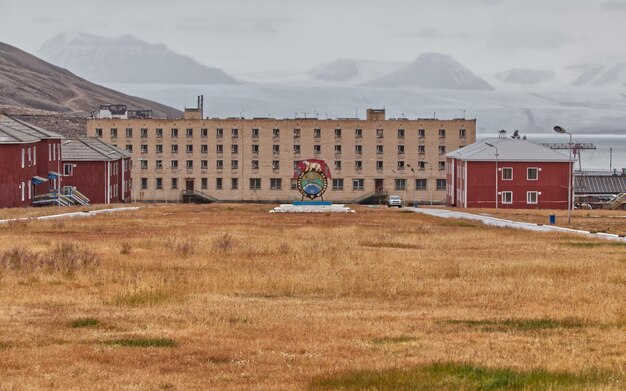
552 219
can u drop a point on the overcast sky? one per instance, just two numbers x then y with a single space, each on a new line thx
294 35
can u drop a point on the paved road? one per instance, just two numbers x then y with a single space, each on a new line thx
494 221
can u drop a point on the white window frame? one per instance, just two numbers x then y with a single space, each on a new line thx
35 155
504 200
502 175
30 190
22 187
528 173
23 158
67 172
528 194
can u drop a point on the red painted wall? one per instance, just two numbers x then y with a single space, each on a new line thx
12 175
102 182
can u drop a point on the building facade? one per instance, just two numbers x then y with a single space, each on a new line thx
237 159
30 159
98 170
507 173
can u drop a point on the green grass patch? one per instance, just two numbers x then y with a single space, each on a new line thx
145 298
455 376
143 342
84 322
520 324
595 244
393 340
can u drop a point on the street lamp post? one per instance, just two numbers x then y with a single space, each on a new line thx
559 129
496 148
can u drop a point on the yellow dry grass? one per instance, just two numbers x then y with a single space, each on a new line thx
231 297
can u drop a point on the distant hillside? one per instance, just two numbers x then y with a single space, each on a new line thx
525 76
432 70
603 76
127 59
29 85
352 70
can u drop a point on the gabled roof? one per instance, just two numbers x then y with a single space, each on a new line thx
12 136
91 149
24 127
600 184
509 150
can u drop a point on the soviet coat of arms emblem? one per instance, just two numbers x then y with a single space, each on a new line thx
312 177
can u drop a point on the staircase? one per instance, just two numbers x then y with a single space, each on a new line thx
616 203
69 196
197 197
75 196
369 198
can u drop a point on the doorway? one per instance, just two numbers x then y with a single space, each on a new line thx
189 184
378 185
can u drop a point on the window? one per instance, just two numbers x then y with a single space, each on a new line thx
144 148
67 169
275 183
99 132
255 132
174 183
379 165
255 164
357 184
401 133
294 184
358 165
531 197
420 184
234 164
421 149
507 173
219 149
442 133
255 183
317 149
159 183
113 133
337 164
204 149
533 173
129 148
204 164
174 148
275 164
400 184
144 183
234 149
337 184
296 133
204 183
219 164
234 183
400 165
442 149
204 133
189 132
159 133
379 133
461 133
255 149
144 164
129 132
296 149
441 166
275 149
441 184
337 133
174 133
317 133
358 133
174 164
507 197
358 150
275 132
158 164
218 183
421 133
159 148
234 132
421 165
338 149
219 133
189 148
400 149
189 164
144 133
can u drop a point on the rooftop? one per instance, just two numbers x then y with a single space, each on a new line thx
510 150
15 131
91 149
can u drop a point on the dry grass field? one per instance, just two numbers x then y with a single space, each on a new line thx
231 297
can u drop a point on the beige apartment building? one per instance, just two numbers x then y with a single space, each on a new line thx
242 159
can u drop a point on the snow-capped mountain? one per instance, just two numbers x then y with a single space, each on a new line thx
432 70
525 76
603 76
126 59
353 71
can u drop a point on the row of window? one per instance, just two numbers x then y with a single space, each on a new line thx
401 165
276 184
219 133
532 197
532 173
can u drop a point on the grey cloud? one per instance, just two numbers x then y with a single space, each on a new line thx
435 33
614 5
235 28
506 37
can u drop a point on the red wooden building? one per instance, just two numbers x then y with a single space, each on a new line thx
99 170
507 173
30 159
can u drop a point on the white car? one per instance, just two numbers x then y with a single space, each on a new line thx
394 200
